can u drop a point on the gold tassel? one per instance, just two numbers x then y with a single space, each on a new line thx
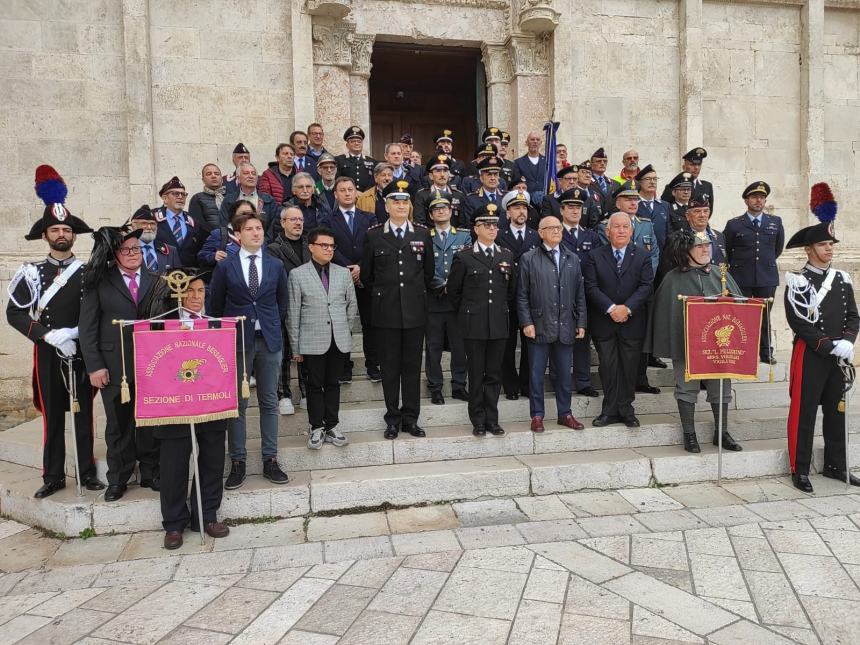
770 377
246 387
76 407
124 393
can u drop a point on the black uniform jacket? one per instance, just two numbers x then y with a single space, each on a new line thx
482 291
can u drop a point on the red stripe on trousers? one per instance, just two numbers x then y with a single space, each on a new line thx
41 403
795 389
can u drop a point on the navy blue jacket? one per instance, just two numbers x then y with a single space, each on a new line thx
606 286
659 217
349 245
507 240
229 296
583 244
474 201
752 252
534 174
196 232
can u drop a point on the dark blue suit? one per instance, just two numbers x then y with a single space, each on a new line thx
659 216
751 252
350 246
310 166
230 296
477 199
619 345
196 233
534 174
516 381
166 256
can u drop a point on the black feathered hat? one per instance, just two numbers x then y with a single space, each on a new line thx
108 239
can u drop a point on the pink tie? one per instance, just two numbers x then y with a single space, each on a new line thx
132 285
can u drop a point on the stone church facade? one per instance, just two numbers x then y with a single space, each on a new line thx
120 95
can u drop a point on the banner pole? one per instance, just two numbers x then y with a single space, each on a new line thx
72 385
194 454
847 458
720 439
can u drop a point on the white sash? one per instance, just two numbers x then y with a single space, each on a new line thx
821 294
58 283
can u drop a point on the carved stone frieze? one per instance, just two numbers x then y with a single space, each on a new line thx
362 48
330 8
497 63
332 44
530 55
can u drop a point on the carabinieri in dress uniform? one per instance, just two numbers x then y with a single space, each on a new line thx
355 163
44 305
482 288
822 313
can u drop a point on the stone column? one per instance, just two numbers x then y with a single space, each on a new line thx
332 55
691 40
530 90
301 41
497 66
138 90
361 49
811 99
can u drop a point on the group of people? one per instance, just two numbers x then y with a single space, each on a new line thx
477 259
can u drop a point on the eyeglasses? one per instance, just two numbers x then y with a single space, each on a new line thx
324 246
551 229
130 250
294 220
650 179
176 193
489 225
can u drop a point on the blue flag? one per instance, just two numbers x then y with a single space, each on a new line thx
550 180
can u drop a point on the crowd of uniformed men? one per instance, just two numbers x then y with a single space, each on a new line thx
470 257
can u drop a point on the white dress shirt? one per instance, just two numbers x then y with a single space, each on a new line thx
244 260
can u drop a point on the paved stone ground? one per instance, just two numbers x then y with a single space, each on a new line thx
753 562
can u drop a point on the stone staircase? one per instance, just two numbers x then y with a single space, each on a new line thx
448 465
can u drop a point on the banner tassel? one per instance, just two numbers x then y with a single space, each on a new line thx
76 407
124 393
246 387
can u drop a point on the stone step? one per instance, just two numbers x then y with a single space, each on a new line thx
408 484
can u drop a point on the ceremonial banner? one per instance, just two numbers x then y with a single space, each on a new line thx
550 181
722 337
184 375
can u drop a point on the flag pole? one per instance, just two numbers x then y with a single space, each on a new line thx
69 360
197 494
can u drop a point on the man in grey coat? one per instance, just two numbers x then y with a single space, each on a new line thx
552 313
322 307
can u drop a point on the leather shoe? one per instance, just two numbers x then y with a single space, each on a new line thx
570 421
801 482
631 421
114 492
152 482
653 361
460 395
537 424
604 420
691 443
512 397
588 391
49 488
93 483
391 432
479 431
414 429
496 430
728 442
214 529
647 389
436 398
767 359
838 473
172 540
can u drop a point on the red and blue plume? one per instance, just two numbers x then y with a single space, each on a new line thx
822 203
50 187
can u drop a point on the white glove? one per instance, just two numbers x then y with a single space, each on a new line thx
52 338
843 349
65 334
68 348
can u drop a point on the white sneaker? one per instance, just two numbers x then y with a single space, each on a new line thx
316 439
335 437
303 404
252 382
285 406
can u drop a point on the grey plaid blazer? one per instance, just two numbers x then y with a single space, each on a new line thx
314 315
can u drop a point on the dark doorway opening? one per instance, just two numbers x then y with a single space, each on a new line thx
422 90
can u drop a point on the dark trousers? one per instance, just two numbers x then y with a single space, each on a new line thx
515 381
400 360
368 337
484 358
764 346
284 390
323 371
559 355
52 398
174 460
582 362
619 364
814 380
442 324
126 443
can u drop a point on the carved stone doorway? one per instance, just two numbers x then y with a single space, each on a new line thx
422 90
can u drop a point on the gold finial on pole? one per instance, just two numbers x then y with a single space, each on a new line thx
178 282
724 269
